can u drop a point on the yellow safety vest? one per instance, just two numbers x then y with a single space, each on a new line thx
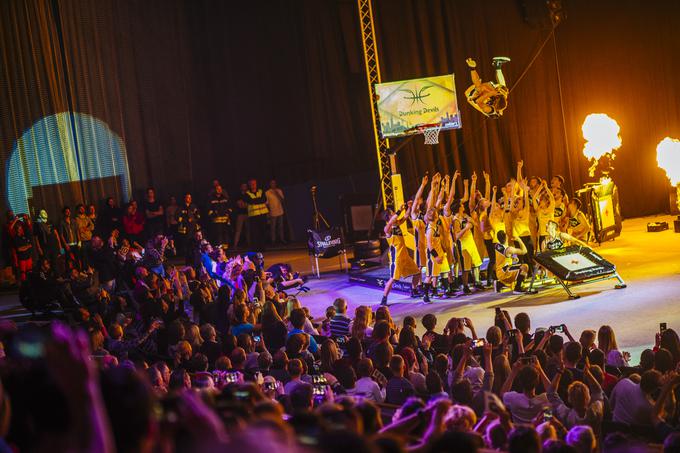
257 208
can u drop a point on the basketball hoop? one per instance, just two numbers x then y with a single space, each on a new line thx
431 133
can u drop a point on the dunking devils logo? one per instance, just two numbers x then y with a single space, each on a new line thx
417 95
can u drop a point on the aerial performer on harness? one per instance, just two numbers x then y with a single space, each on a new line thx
490 98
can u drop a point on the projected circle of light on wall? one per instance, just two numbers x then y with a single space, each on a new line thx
45 155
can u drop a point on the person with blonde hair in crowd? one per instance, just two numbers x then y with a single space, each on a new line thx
586 402
606 341
293 304
360 327
193 336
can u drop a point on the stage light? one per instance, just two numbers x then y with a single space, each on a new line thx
45 171
601 133
668 159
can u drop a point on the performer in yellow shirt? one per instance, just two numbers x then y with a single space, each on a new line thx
418 222
545 210
401 263
534 186
496 215
577 222
521 232
490 98
446 233
561 202
468 254
556 239
437 264
508 272
490 222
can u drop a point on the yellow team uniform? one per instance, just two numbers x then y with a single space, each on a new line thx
466 245
435 269
488 231
507 221
506 268
401 264
520 225
478 235
533 221
560 210
497 224
576 226
420 253
544 216
447 238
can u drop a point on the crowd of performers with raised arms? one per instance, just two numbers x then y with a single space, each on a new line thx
452 235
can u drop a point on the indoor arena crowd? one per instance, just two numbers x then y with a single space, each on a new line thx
219 352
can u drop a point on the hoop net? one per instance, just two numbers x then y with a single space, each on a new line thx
431 134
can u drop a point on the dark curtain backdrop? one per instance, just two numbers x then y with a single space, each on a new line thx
203 89
196 89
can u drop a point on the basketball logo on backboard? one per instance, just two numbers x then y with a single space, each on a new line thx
417 95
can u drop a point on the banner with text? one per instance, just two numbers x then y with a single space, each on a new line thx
407 104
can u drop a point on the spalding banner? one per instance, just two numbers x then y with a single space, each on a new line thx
325 243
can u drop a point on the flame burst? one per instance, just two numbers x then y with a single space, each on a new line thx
668 158
602 135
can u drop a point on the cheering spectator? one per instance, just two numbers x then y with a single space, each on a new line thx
366 387
68 233
103 260
297 319
398 388
606 341
47 239
133 223
92 214
340 322
85 228
632 403
275 201
525 405
295 370
586 401
171 223
153 213
110 217
23 244
241 211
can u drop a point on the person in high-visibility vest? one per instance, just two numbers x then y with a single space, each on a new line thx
257 215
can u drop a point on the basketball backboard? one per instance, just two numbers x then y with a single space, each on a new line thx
405 105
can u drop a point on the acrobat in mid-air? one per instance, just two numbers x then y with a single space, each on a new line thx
490 98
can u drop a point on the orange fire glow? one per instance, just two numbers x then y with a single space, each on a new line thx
668 158
602 135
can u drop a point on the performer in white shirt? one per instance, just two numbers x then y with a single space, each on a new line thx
275 199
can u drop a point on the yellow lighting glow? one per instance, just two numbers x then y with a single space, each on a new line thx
668 158
602 135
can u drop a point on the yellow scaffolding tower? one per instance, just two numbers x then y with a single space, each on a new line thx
390 181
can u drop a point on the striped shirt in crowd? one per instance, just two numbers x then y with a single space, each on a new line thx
340 326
